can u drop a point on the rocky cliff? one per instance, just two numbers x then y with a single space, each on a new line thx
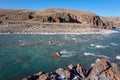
55 16
101 70
115 20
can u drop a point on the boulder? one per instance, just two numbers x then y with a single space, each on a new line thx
43 76
71 66
112 73
56 54
80 71
101 70
39 73
64 73
104 70
99 67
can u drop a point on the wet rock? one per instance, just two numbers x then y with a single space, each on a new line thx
56 54
33 77
71 66
60 71
112 73
101 70
43 76
104 70
64 73
115 20
80 70
24 79
99 67
39 73
53 76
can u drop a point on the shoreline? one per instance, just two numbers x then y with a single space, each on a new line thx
102 69
81 32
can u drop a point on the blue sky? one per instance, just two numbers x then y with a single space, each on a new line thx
100 7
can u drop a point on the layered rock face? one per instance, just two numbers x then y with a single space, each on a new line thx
15 15
101 70
57 18
115 20
54 16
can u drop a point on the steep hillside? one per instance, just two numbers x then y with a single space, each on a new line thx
54 15
115 20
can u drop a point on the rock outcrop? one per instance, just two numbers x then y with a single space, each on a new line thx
16 15
101 70
104 70
115 20
54 16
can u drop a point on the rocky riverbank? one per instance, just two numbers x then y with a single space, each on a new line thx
52 21
102 69
50 28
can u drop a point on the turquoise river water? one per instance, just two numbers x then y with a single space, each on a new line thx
22 55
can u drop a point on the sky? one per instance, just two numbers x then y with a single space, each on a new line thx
99 7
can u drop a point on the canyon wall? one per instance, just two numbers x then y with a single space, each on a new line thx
55 16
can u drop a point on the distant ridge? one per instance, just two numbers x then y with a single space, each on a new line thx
57 10
56 15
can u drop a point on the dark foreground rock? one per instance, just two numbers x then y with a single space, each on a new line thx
101 70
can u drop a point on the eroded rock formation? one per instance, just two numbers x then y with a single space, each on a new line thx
55 16
115 20
101 70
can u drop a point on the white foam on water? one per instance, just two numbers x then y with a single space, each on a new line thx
89 54
65 53
22 44
114 44
92 54
74 38
102 56
100 46
110 32
92 44
19 40
118 57
66 37
60 44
